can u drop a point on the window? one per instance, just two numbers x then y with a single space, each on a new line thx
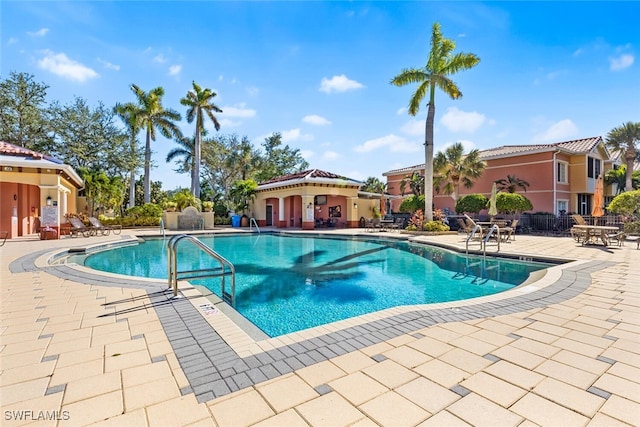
593 167
562 172
563 205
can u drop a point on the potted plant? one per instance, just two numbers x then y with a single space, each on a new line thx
207 206
170 206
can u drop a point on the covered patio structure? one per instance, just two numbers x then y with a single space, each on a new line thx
308 200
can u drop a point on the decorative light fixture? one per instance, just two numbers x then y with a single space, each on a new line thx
355 205
49 201
8 168
309 206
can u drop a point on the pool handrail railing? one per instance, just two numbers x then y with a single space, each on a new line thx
173 275
252 222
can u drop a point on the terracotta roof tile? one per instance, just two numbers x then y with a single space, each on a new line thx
577 146
311 173
10 149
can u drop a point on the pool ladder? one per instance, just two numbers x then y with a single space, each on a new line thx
252 223
485 239
225 268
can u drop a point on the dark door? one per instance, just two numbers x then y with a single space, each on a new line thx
269 215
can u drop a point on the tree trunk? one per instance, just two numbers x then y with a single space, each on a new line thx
132 189
196 163
629 156
428 164
147 169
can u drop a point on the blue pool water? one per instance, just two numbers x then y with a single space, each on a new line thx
286 284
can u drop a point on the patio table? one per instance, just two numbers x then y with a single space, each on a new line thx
590 234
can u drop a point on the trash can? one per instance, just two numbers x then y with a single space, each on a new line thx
235 221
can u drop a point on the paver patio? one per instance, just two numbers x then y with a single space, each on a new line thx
79 349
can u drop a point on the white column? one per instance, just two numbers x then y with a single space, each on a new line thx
280 209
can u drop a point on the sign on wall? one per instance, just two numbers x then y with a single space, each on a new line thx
49 216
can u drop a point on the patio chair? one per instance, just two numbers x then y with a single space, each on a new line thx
398 224
618 237
510 231
104 229
463 226
471 225
579 219
78 227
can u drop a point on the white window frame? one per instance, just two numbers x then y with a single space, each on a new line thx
562 204
563 167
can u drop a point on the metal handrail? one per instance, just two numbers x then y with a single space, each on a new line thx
472 234
162 227
486 238
173 275
253 221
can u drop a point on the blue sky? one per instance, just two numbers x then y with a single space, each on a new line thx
319 72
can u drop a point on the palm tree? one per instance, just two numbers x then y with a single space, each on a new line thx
415 181
441 63
199 103
453 168
619 178
626 139
185 151
374 185
511 184
151 115
128 114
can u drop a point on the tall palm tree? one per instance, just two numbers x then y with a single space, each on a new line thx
415 181
185 151
511 184
626 139
151 115
452 168
200 104
441 63
128 114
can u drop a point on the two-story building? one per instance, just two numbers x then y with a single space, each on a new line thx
562 176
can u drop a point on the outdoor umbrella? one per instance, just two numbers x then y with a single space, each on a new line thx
598 198
493 209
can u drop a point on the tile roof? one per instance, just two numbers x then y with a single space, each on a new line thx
576 146
311 174
8 149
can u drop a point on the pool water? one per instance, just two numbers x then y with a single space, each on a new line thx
286 284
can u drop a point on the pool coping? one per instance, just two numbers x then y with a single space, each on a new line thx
218 357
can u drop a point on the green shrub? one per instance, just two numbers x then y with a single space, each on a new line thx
627 203
472 203
435 226
412 204
509 203
632 227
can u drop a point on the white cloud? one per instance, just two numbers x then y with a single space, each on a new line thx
59 64
160 59
238 111
40 33
314 119
252 90
401 111
413 127
557 132
175 69
295 135
109 65
339 84
307 154
395 144
620 63
226 123
12 40
461 121
466 145
330 155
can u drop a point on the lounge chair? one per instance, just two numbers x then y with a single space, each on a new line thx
510 231
579 219
78 227
471 225
104 229
398 224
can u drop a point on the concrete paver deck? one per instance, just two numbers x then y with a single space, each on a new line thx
76 349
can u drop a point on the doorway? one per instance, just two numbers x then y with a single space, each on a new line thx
269 215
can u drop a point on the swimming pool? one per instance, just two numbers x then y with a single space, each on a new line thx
289 283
